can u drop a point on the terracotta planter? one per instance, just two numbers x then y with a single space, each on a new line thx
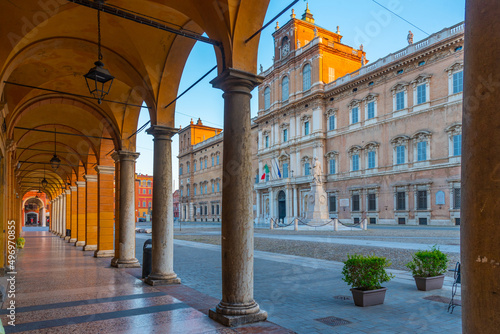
429 283
368 297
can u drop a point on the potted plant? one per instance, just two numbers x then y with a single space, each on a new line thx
365 274
428 267
20 242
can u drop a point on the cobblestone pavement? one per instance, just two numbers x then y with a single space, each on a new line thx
296 291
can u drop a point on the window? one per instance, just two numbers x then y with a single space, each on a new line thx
371 159
213 209
212 160
421 92
354 115
284 89
194 166
194 210
217 160
422 200
149 183
331 166
332 203
206 187
213 188
267 176
285 170
355 202
181 192
194 190
355 162
371 109
372 202
421 151
206 163
187 166
149 204
205 210
401 200
306 128
456 198
458 82
144 204
267 141
400 100
307 169
285 135
267 98
149 191
217 186
180 170
306 77
457 145
331 122
217 208
400 155
139 204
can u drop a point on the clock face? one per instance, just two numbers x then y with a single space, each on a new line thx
285 49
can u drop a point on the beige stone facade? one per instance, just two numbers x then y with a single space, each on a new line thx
388 135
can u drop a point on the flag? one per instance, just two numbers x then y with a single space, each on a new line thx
277 172
266 171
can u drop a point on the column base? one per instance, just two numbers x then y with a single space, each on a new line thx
79 243
119 263
158 280
67 239
104 253
90 247
237 320
72 240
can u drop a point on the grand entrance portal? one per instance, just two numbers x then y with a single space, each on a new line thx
281 205
31 219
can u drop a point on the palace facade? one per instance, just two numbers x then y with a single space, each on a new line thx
387 134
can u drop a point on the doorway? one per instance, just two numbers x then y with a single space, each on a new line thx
281 205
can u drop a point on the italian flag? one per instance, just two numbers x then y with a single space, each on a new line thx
266 171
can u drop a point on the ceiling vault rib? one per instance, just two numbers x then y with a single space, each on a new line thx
62 133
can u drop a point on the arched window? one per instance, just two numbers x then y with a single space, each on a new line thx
284 89
306 77
267 98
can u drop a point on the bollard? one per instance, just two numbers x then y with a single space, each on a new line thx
147 253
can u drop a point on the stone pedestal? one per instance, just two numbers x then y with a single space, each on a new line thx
317 205
126 255
162 272
237 305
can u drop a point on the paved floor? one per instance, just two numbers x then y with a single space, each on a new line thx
61 289
297 291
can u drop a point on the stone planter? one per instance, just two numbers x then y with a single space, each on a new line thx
368 297
429 283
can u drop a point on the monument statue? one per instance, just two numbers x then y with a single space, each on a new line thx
317 171
410 37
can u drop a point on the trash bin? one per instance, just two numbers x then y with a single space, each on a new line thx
147 253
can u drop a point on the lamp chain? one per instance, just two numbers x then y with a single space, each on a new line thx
99 33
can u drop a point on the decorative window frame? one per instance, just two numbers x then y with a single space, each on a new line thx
305 159
302 76
355 150
422 79
400 140
266 134
452 130
354 104
454 212
405 189
283 127
420 136
303 120
397 88
335 213
281 87
422 213
358 213
371 97
335 156
368 191
456 67
371 147
331 112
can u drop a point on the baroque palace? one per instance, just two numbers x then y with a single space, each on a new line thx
387 134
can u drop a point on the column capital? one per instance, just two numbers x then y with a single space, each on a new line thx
73 188
161 131
90 178
105 169
233 80
67 191
125 156
80 184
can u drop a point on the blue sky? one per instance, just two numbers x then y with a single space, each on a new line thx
360 21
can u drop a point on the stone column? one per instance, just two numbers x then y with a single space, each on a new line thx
56 216
80 233
162 272
237 305
480 230
126 238
60 208
74 214
67 215
41 214
53 216
90 213
257 202
295 202
105 211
